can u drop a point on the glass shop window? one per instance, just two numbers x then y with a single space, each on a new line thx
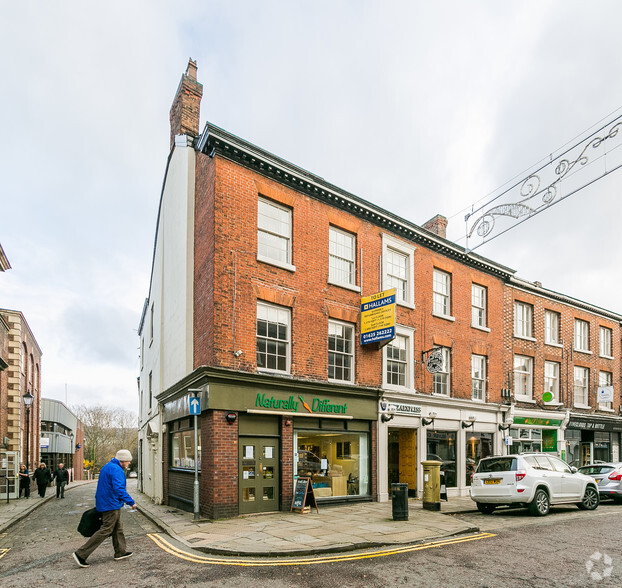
337 463
182 447
442 447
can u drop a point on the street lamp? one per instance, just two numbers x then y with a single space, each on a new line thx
28 398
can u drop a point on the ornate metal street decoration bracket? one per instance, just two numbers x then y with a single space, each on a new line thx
579 166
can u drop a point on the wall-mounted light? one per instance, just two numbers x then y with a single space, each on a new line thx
230 417
469 422
238 353
385 418
504 428
430 420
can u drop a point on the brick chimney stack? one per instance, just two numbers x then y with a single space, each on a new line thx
186 108
437 225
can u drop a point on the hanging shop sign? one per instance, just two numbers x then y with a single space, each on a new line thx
378 317
434 363
605 394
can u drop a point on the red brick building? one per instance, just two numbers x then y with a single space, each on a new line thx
21 422
561 355
255 305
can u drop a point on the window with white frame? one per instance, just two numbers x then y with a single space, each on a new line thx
478 377
523 319
441 288
397 360
551 382
581 335
523 376
340 351
478 305
551 327
274 233
605 342
396 265
581 386
442 378
398 270
273 338
341 257
605 380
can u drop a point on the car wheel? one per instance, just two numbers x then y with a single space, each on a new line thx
591 499
540 505
486 508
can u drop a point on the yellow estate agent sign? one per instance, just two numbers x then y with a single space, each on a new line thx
378 317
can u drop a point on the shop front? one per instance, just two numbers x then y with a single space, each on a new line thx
536 432
456 433
258 434
592 438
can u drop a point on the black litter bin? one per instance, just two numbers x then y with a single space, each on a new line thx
399 493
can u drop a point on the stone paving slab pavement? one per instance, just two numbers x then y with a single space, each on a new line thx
335 528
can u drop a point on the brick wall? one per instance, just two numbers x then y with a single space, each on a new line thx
287 462
565 355
219 465
227 201
204 287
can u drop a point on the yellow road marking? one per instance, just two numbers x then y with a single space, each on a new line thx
3 552
163 544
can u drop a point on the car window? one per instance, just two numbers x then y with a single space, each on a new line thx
498 464
595 469
559 465
543 462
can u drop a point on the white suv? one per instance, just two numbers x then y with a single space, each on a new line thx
534 480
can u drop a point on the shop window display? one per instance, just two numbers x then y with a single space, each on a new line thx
525 440
442 447
182 448
337 463
478 445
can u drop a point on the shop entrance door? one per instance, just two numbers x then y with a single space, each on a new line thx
259 474
402 458
586 453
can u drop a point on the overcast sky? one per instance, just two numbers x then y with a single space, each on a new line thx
419 107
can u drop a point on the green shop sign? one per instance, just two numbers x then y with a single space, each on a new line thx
299 405
538 422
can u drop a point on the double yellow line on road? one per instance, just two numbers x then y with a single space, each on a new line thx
165 545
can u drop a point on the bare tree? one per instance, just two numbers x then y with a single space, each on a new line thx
106 430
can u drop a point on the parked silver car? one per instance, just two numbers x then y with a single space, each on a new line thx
533 480
609 478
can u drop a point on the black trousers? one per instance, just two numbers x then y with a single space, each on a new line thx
42 488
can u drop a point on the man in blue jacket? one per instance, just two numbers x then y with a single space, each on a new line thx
109 499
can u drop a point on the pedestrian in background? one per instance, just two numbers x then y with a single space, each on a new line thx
24 481
42 477
109 499
61 475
